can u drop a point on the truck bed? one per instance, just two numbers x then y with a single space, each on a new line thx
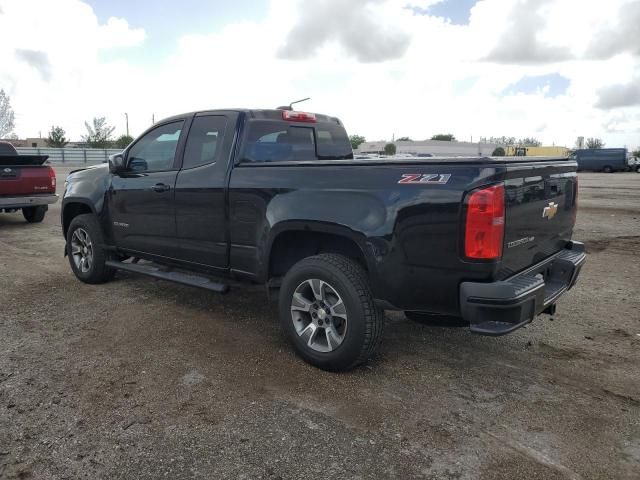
416 161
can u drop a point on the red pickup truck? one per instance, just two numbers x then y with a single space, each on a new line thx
26 184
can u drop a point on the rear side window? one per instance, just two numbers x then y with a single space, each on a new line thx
276 141
333 143
204 141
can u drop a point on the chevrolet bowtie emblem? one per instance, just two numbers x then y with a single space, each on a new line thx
550 211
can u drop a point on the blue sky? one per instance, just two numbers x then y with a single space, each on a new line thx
558 85
457 11
512 68
164 22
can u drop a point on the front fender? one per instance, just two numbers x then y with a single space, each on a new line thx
88 186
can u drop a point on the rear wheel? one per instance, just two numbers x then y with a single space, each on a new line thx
638 169
607 169
34 214
86 252
328 313
436 320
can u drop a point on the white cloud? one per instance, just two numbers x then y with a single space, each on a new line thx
622 35
521 42
345 23
625 95
117 33
414 90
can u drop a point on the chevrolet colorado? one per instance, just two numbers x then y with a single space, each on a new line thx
275 197
26 184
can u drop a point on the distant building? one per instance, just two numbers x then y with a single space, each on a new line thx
436 148
512 151
35 142
41 143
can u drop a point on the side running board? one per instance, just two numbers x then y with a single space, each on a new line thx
154 271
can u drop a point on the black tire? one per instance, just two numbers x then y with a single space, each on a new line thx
435 320
97 272
365 321
638 169
34 214
607 169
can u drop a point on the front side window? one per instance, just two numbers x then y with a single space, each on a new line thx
156 151
204 141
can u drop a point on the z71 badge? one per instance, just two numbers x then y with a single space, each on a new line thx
425 179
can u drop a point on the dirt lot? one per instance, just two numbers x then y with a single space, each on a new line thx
143 379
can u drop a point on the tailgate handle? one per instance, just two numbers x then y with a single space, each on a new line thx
160 187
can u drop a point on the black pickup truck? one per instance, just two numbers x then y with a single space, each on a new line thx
275 197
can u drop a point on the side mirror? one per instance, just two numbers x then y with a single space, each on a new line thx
116 163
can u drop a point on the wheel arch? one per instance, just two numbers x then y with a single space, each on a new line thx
293 241
71 208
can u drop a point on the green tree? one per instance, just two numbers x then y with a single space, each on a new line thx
57 138
7 116
636 153
123 141
356 141
99 135
529 142
404 139
594 143
390 149
445 137
498 152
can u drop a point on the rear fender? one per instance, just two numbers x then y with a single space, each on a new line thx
310 227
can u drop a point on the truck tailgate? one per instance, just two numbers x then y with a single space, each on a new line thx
25 176
541 210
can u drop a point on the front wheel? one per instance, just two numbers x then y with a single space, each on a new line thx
328 312
34 214
86 252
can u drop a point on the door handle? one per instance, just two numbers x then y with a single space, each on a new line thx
160 187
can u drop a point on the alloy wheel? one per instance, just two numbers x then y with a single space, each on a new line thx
319 315
82 250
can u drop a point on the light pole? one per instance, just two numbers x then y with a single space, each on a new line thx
127 117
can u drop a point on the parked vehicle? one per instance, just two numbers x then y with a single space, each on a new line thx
606 160
26 184
219 198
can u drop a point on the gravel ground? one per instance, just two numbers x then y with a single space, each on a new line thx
144 379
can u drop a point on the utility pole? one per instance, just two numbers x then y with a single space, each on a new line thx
127 117
153 119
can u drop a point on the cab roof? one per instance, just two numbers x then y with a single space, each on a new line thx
257 114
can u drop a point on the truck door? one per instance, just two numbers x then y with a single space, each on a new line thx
201 190
141 200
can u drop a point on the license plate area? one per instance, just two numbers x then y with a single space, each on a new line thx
8 173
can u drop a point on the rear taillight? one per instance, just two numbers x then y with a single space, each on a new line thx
292 116
484 227
52 177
